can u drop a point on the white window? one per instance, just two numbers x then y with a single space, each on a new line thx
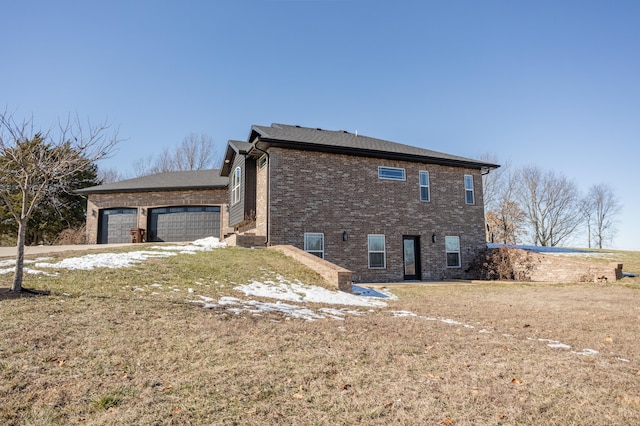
391 173
314 243
468 189
425 193
452 247
377 256
235 186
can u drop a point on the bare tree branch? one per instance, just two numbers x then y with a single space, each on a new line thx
33 162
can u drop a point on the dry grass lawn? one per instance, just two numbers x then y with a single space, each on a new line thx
101 349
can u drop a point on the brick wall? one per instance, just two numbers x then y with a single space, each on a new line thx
331 193
334 275
153 199
261 200
563 269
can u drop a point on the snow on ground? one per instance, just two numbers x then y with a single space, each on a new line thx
115 260
298 295
105 260
284 289
205 244
540 249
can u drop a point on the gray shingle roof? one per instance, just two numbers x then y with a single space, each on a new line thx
343 141
233 148
167 181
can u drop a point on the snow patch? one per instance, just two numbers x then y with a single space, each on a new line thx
284 289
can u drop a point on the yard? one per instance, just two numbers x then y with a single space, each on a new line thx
176 340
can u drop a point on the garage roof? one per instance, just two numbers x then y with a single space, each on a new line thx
167 181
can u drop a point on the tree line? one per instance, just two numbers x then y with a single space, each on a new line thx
545 208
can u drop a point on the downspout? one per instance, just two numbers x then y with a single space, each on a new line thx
266 243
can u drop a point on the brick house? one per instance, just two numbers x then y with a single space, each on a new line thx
172 206
386 211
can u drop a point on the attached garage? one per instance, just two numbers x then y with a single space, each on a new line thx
114 225
183 223
169 206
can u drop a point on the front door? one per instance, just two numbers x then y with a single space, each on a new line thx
411 249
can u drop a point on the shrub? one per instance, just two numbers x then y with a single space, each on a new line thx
503 264
71 236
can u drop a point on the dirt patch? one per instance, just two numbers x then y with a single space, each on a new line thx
7 294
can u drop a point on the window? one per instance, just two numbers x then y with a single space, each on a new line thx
235 186
391 173
425 193
262 161
452 247
377 258
314 243
468 189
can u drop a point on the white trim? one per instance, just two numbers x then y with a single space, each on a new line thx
428 185
314 252
383 251
381 168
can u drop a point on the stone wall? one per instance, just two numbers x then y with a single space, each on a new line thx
332 274
563 269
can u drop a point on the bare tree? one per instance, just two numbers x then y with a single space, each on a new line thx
503 215
109 175
600 207
493 183
195 152
586 209
551 205
506 219
33 163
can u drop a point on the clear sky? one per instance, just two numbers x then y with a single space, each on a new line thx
554 84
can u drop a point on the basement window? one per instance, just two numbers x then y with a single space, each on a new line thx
391 173
314 243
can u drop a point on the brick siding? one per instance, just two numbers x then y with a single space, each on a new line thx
154 199
331 193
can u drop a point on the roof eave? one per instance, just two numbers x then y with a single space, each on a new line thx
377 154
87 191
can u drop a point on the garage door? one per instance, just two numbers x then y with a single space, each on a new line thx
183 223
115 225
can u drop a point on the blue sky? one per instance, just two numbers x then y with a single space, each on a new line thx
554 84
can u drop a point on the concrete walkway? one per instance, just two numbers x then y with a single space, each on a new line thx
11 252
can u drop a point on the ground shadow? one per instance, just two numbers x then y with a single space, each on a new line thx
7 294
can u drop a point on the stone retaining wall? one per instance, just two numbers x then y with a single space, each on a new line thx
335 275
557 268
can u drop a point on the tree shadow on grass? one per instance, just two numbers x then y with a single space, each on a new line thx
7 294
